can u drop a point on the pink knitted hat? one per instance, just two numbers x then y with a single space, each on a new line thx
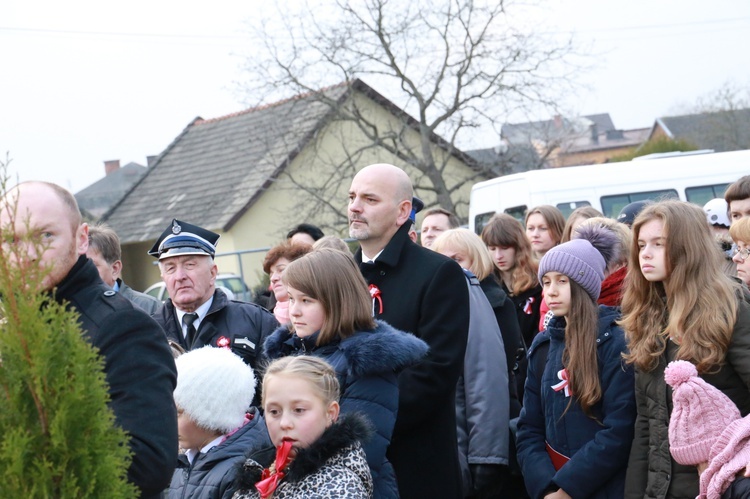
700 413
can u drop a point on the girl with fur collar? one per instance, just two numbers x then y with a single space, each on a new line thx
331 317
317 454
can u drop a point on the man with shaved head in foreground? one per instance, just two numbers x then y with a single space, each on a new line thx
424 293
138 363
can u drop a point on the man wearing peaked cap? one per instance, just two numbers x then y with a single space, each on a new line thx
196 313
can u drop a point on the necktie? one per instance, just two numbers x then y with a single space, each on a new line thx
188 320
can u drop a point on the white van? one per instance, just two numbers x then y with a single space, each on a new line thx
697 177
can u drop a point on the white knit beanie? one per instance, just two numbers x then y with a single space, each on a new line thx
214 388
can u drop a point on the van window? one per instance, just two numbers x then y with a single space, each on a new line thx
518 212
611 205
704 194
568 208
481 220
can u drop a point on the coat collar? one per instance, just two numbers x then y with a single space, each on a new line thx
392 251
81 275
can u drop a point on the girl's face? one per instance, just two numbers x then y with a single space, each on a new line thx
557 293
742 261
459 257
504 257
306 314
652 251
294 411
192 436
539 235
278 288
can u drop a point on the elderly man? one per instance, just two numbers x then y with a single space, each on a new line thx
435 222
198 314
138 364
424 293
104 250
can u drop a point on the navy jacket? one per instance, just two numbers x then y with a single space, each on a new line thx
598 450
212 475
367 365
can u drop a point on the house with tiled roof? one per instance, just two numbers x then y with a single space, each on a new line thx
721 131
252 175
99 197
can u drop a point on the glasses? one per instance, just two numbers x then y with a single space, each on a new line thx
743 253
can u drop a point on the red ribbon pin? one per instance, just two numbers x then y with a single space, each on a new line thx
376 295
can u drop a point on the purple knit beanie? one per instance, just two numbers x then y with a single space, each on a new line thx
700 414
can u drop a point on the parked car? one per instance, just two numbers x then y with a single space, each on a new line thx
231 284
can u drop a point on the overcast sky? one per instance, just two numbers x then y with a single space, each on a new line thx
86 81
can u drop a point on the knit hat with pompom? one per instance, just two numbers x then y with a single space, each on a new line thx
700 414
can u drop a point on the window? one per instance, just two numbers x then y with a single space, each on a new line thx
481 220
568 208
518 212
704 194
611 205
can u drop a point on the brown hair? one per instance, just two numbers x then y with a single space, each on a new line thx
621 231
554 218
333 278
105 241
739 190
740 230
696 305
505 231
467 242
453 221
310 368
584 212
579 356
286 250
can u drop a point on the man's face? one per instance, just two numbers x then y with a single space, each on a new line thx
41 217
739 209
190 280
374 213
432 227
108 272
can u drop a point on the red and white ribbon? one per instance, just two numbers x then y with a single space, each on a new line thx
564 384
376 296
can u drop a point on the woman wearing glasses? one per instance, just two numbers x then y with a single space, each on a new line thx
740 232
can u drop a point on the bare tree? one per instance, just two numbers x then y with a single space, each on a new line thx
454 67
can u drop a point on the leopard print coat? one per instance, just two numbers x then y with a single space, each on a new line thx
333 467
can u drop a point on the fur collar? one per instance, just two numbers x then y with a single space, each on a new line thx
349 430
367 352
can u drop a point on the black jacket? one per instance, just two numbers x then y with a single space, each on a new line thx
244 326
139 369
424 293
367 364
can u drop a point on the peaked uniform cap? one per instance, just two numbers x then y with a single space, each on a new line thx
182 238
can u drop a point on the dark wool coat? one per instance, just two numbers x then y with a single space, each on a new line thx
367 365
333 467
212 475
652 473
424 293
139 369
598 450
527 305
245 326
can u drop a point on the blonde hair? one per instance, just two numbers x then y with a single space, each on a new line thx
471 245
316 371
553 217
505 231
740 230
585 212
620 230
696 305
333 278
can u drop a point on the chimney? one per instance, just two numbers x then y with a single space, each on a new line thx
111 166
558 121
594 133
150 160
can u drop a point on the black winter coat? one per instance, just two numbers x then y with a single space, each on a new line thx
367 365
424 293
212 475
243 326
139 369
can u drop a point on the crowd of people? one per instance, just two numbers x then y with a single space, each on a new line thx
549 358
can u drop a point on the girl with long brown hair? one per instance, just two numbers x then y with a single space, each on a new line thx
576 426
678 305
